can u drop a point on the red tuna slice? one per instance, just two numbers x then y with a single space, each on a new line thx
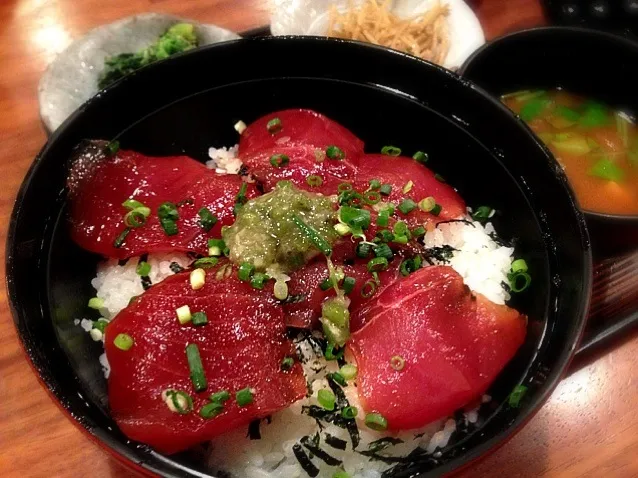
242 345
99 185
298 127
304 286
302 163
454 345
398 171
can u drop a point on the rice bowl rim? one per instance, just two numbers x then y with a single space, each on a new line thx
168 467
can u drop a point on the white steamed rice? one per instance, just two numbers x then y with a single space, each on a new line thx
476 256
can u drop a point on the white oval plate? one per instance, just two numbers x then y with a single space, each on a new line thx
310 17
72 77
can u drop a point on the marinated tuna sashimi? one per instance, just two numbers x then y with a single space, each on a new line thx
127 204
160 394
297 127
430 347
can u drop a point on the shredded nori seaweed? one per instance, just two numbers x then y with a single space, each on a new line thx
304 461
254 432
122 262
383 443
335 442
184 202
243 170
319 453
176 268
455 220
440 254
146 282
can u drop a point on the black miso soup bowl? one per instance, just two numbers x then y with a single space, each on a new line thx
191 102
597 65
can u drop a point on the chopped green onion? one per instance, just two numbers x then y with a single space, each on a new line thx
482 213
337 377
519 281
519 265
119 240
384 235
567 113
391 151
196 368
205 262
349 412
341 474
123 342
199 318
314 181
220 397
439 178
244 397
279 160
329 353
132 204
344 187
333 152
363 249
113 147
622 127
376 421
168 210
245 272
436 210
608 170
143 269
211 410
385 189
407 206
355 218
368 289
408 187
206 219
397 362
137 217
178 401
240 198
315 237
240 126
377 264
348 371
183 314
197 278
372 197
383 250
427 204
216 247
287 363
326 399
516 396
348 284
169 226
342 229
258 280
418 231
383 219
400 229
274 126
326 284
523 95
100 324
375 184
96 303
420 157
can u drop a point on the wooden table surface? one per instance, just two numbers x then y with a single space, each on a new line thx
589 427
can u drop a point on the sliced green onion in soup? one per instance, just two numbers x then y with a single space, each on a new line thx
523 95
534 108
608 170
571 143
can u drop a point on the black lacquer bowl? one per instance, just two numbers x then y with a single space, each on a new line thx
597 65
191 102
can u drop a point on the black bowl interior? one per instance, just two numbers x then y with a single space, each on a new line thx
590 63
192 101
